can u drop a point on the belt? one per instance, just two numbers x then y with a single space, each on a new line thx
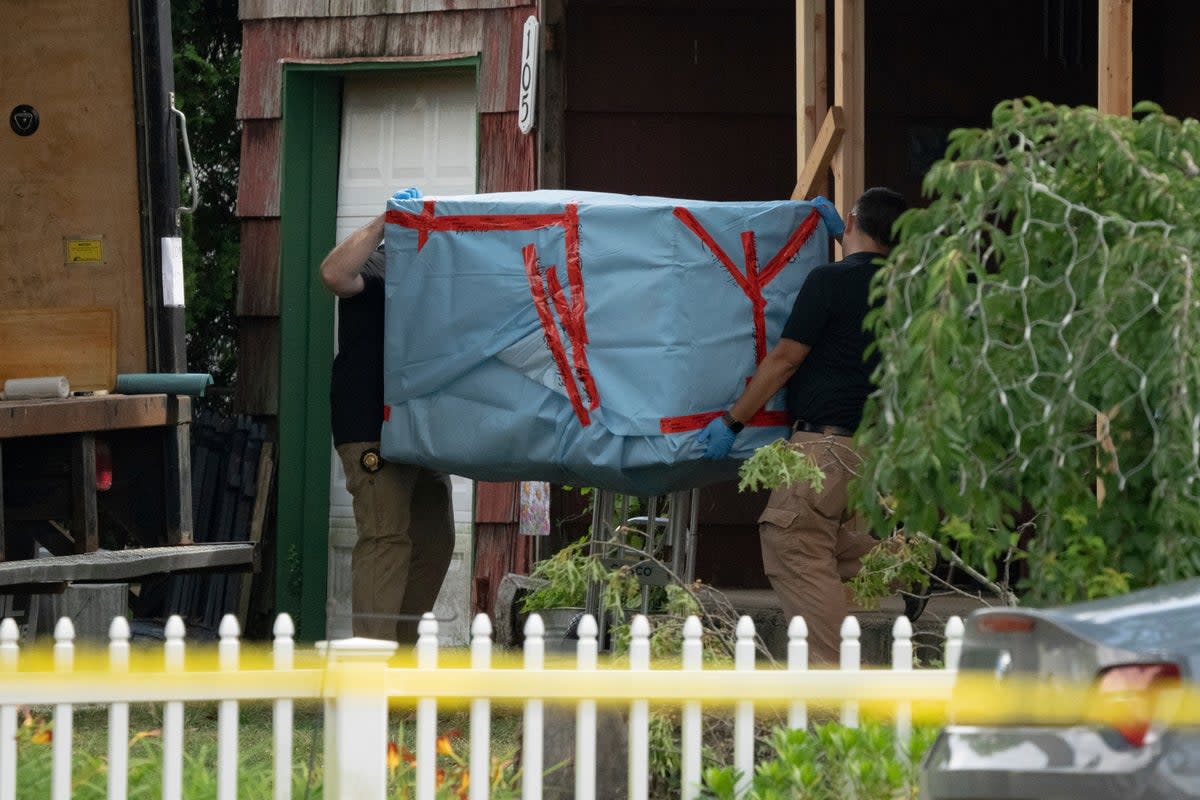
826 430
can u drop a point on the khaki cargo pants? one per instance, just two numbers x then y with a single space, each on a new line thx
405 541
811 543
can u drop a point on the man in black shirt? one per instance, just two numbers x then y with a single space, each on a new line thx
402 512
811 541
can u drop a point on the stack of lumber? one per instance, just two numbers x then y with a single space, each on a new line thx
232 471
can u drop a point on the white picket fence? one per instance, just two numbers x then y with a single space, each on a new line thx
355 682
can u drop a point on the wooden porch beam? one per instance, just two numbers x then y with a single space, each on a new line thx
816 166
1114 91
812 89
849 34
1114 95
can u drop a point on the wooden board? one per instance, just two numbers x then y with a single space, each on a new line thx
1114 90
121 565
76 177
849 163
80 343
82 414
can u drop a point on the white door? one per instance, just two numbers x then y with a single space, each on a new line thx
401 130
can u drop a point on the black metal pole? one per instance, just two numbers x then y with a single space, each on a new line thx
158 173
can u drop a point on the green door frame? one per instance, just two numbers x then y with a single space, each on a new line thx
312 98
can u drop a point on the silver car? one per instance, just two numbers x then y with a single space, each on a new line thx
1122 661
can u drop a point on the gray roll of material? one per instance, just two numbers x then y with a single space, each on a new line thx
193 383
36 388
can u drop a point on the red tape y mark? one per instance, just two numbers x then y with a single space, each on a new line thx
571 326
550 331
751 284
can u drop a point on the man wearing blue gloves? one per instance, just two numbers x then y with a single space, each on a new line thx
811 540
402 512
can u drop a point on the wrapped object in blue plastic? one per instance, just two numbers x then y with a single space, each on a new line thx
584 338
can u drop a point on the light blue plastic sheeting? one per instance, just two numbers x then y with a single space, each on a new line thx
647 302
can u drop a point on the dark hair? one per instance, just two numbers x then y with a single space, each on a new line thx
877 211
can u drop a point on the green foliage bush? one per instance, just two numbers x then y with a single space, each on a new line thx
830 762
1050 285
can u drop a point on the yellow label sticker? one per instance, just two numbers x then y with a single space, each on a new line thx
85 251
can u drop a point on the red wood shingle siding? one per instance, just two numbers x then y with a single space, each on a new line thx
258 183
258 273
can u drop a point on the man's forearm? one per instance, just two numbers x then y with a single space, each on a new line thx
340 269
762 387
779 365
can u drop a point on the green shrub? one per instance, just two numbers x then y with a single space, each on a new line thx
830 762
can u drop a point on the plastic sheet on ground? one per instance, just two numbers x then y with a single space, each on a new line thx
584 338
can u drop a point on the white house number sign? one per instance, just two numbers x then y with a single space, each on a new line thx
529 56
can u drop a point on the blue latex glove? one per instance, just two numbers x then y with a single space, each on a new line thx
716 439
412 193
829 215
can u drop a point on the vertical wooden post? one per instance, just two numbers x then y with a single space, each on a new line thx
551 125
2 547
812 84
1114 90
85 525
177 452
849 33
1114 95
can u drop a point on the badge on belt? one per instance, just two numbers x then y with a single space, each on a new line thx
370 460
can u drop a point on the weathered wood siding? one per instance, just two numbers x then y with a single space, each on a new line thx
275 32
499 547
258 289
264 9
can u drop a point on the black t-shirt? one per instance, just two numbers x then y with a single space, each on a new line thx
832 383
356 390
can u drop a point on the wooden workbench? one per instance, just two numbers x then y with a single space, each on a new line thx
92 414
48 477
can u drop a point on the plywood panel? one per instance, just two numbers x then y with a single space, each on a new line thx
79 343
76 177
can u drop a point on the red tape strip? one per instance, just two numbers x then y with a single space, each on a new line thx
553 342
694 422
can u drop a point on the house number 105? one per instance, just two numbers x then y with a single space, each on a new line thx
529 54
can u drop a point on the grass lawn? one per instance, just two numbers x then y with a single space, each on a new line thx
255 779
